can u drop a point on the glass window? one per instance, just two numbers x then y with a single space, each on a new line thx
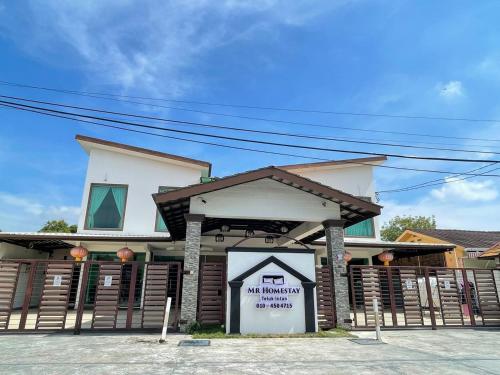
160 225
106 207
362 229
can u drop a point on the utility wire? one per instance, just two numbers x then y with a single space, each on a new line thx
254 141
215 126
432 182
119 98
267 108
232 146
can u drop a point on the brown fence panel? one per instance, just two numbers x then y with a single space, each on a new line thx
54 302
487 294
424 297
211 294
9 273
324 297
107 296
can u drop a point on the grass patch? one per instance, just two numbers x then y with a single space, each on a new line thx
218 332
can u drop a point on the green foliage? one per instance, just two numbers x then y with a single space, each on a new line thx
193 327
218 332
58 226
396 226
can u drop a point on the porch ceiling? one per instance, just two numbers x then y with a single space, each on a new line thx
173 205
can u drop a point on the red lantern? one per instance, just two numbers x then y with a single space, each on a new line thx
386 257
79 252
125 254
347 257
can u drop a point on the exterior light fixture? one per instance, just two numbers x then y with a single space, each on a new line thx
225 228
219 237
125 254
284 229
79 252
386 257
347 257
249 233
269 239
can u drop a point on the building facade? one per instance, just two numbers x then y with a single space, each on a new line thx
167 208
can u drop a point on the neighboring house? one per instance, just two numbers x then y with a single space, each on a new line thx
168 208
493 253
469 245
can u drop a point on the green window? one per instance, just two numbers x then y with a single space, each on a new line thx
160 225
106 207
362 229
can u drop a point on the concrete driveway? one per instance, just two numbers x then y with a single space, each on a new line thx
405 352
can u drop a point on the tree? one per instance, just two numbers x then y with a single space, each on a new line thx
58 226
397 225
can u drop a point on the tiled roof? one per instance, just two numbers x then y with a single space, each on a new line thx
464 238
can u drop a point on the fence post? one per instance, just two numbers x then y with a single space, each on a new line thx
377 320
392 297
81 300
429 298
27 296
468 297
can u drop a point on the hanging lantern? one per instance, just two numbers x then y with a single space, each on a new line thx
125 254
219 237
79 252
386 257
225 228
347 257
284 229
269 239
249 233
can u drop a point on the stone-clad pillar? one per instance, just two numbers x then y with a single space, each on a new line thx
189 303
334 231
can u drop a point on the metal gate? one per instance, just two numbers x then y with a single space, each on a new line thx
212 293
37 296
324 298
410 297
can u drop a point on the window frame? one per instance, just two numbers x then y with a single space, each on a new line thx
86 225
157 211
372 221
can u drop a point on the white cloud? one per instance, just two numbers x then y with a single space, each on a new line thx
463 190
457 205
450 90
149 46
24 214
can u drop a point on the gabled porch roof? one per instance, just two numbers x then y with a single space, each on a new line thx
173 205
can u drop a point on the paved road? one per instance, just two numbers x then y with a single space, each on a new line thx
405 352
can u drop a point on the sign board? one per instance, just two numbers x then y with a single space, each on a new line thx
108 280
57 280
409 284
447 284
273 292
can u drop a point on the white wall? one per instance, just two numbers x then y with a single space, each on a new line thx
265 199
10 251
268 320
143 176
352 179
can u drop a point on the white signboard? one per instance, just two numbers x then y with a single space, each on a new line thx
447 284
409 284
273 292
57 280
108 280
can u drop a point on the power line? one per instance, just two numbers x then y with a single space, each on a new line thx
433 182
234 147
267 108
413 157
215 126
118 98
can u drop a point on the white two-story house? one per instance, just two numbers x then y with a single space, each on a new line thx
168 208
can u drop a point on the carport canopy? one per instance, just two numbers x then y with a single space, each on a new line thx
266 200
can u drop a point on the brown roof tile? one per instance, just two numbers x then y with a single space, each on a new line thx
464 238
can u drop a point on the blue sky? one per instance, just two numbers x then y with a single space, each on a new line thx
397 57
